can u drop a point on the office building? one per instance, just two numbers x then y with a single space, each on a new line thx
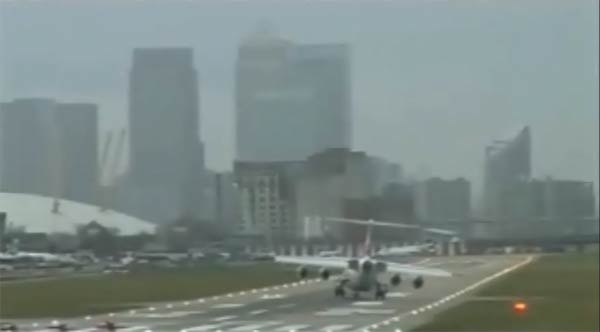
443 202
292 101
507 170
77 128
552 199
50 148
166 154
268 199
28 147
337 183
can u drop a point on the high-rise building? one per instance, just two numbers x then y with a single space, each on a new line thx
292 101
50 148
166 154
28 146
267 199
552 199
507 170
440 201
77 128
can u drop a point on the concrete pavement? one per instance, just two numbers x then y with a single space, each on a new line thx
310 305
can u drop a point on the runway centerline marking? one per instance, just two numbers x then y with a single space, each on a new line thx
288 328
255 327
224 318
228 305
258 312
272 296
335 328
367 303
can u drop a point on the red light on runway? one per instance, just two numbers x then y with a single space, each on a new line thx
520 307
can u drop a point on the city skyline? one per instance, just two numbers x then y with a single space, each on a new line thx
284 87
395 100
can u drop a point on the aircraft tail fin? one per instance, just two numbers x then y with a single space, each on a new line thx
367 245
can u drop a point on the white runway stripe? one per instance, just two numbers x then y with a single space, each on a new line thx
288 328
204 328
258 312
228 305
272 296
223 318
335 328
252 327
367 303
134 328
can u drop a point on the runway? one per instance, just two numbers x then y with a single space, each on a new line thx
310 305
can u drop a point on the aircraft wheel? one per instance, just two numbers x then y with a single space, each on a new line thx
339 291
380 291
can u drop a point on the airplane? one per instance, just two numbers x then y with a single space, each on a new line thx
39 259
360 274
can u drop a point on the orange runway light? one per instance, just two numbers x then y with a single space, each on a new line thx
520 307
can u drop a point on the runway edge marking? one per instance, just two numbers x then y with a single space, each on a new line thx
431 305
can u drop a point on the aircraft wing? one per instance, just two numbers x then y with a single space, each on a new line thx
330 262
390 224
371 222
414 269
401 250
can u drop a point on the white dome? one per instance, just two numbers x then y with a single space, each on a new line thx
34 212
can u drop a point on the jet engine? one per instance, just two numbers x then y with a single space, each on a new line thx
303 272
395 280
418 282
324 273
381 267
367 266
353 264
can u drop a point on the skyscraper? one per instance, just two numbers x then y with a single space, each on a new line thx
166 164
28 146
50 148
77 129
507 170
292 101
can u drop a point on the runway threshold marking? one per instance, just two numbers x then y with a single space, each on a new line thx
423 308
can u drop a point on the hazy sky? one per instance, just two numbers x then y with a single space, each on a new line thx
433 81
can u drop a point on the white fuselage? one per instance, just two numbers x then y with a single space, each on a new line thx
361 279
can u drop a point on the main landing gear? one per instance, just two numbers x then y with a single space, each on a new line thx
340 290
380 292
